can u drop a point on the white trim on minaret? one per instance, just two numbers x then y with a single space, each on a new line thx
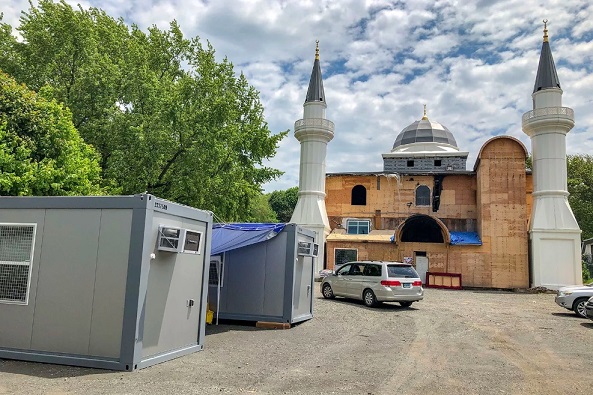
555 236
314 131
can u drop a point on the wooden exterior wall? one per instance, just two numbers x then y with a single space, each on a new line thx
495 202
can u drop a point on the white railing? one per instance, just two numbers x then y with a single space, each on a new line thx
324 123
540 112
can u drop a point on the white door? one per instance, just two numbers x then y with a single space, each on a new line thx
422 267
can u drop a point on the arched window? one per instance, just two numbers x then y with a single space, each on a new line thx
423 196
359 196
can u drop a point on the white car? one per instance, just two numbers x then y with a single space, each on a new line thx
374 282
574 298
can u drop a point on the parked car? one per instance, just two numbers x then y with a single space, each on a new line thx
374 282
574 298
589 308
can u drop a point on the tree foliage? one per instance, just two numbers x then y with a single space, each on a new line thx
580 187
284 202
41 152
165 115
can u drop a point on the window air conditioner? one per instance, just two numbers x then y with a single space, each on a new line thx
308 248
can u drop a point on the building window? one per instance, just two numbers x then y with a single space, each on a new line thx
358 227
359 196
437 163
422 196
344 255
16 259
410 163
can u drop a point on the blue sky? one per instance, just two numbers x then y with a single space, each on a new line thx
473 64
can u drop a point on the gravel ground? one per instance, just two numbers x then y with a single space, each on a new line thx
452 342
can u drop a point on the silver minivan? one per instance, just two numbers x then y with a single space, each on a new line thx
373 282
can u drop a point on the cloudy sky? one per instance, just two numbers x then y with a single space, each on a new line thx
472 62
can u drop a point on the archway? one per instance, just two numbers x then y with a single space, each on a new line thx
423 229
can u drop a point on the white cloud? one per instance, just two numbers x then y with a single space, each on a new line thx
472 63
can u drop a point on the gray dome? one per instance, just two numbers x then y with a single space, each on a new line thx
425 131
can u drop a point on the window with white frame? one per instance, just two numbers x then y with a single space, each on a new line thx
422 195
216 272
358 226
16 258
344 255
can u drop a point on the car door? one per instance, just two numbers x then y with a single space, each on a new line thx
340 279
355 283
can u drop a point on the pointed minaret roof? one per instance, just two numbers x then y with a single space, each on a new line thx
546 71
315 91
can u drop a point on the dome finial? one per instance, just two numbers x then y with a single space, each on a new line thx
545 30
424 116
317 50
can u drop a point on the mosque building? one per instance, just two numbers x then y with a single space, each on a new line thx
496 225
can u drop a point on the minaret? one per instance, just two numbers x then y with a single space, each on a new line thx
555 236
313 132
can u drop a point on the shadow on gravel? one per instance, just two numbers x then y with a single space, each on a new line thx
239 325
391 306
567 314
47 370
587 325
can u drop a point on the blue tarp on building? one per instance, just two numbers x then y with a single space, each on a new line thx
465 238
226 237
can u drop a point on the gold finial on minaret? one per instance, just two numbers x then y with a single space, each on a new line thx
545 30
424 116
317 50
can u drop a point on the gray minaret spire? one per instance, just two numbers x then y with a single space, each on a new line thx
314 131
315 91
554 234
546 71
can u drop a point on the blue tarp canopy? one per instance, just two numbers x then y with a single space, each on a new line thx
465 238
226 237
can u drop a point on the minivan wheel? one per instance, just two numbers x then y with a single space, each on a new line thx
405 304
327 292
579 307
369 298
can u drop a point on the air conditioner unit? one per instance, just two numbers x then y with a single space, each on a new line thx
308 248
170 238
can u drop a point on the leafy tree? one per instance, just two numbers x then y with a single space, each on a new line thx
260 210
580 187
166 117
41 152
284 202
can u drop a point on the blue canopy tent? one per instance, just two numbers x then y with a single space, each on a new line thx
226 237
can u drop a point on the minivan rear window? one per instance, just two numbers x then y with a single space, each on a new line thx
401 271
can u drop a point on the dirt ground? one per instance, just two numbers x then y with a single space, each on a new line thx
452 342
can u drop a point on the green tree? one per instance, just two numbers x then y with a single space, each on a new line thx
41 152
284 202
260 210
166 117
580 187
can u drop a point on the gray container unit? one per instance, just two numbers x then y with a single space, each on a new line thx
270 281
103 282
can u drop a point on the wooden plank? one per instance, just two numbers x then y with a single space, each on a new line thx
272 325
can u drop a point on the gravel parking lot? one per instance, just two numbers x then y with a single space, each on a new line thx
452 342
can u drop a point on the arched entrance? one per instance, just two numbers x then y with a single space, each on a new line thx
423 229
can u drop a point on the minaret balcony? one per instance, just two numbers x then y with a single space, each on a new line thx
314 126
562 117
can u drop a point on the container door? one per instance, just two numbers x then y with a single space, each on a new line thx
302 292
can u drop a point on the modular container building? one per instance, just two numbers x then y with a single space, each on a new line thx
262 272
106 282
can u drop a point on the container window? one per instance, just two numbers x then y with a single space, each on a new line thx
192 242
16 257
216 272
